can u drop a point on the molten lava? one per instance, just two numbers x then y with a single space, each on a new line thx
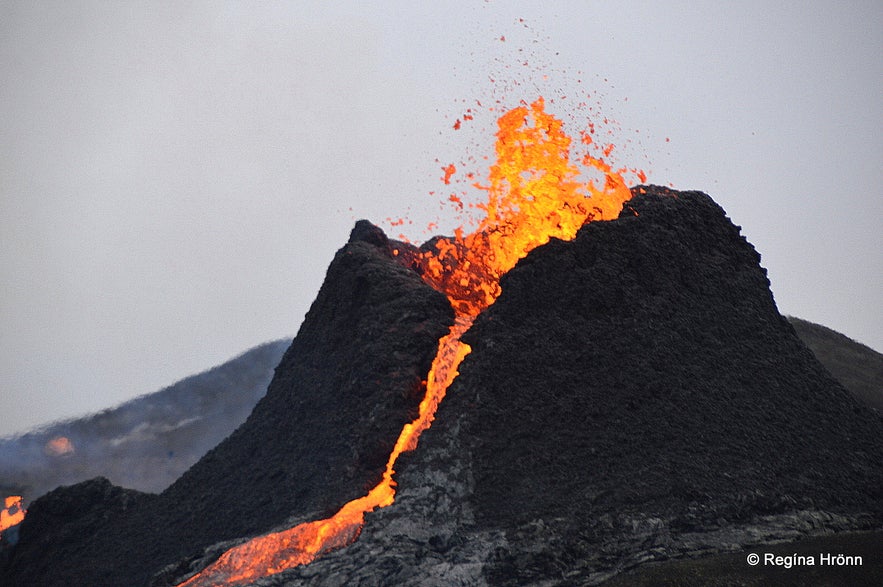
534 194
272 553
12 513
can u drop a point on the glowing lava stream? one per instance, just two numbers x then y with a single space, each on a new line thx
533 195
272 553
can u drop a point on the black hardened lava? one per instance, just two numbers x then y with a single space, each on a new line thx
633 395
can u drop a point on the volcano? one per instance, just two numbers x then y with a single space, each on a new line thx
632 395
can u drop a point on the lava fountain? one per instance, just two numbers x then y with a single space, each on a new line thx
534 194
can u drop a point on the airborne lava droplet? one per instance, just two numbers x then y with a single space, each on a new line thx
533 194
449 171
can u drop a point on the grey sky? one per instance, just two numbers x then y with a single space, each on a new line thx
175 177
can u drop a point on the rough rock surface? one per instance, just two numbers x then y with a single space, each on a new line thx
67 514
351 378
633 395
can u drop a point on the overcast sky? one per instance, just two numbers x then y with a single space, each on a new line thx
175 177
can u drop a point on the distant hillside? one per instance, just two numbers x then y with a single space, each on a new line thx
150 441
858 368
145 443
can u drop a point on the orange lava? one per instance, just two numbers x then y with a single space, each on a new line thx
59 446
12 513
272 553
534 194
449 170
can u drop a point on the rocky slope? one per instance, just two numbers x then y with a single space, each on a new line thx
321 435
633 395
147 443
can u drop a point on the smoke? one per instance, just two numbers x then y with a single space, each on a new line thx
145 443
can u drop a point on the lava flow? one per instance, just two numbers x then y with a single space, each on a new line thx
534 194
12 513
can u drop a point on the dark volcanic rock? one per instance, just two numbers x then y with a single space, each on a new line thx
350 380
61 519
632 395
642 378
649 364
320 437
